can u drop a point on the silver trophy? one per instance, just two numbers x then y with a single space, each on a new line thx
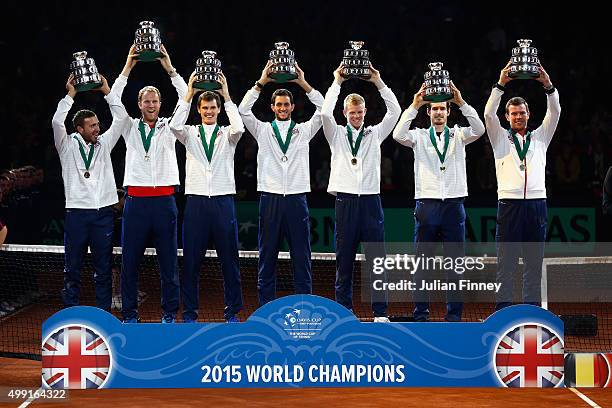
356 61
437 84
148 42
86 75
207 72
524 63
283 63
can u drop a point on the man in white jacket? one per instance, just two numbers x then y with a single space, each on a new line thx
151 173
355 181
440 182
89 186
520 166
210 189
283 178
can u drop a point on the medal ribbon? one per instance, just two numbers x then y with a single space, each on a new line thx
354 146
146 139
208 149
86 158
432 137
521 152
283 146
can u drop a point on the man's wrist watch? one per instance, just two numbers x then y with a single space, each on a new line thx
259 85
550 89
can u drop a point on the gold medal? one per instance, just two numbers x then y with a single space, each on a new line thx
354 161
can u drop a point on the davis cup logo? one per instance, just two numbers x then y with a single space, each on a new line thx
75 357
529 355
301 323
291 318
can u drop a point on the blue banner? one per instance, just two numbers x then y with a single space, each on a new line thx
302 341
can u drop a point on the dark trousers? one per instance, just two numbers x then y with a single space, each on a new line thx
93 228
439 221
283 217
205 218
144 217
521 230
359 219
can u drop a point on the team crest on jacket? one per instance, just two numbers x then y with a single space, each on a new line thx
75 357
529 355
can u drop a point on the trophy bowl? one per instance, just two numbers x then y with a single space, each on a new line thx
86 75
356 62
283 63
207 72
524 63
437 84
147 42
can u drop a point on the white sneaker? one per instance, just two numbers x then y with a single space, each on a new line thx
381 319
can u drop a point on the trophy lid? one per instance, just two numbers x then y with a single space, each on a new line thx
209 54
80 55
356 45
146 24
281 45
435 66
524 43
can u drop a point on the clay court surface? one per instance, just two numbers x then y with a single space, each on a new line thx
26 373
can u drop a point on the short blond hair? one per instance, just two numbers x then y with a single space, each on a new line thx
353 99
148 89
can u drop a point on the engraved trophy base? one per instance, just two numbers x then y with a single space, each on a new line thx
281 77
87 86
148 56
523 75
360 73
207 85
438 97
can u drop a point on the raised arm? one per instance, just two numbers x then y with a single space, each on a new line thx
553 108
120 117
179 83
245 109
476 128
393 107
329 103
494 129
314 123
121 81
60 135
402 133
236 128
178 120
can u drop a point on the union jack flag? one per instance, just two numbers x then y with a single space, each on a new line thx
75 357
530 356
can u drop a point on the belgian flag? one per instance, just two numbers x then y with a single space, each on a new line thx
588 370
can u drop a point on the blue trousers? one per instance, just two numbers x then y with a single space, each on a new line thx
93 228
359 219
439 221
283 217
521 230
144 217
205 218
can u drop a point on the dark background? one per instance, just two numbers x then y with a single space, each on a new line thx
474 40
